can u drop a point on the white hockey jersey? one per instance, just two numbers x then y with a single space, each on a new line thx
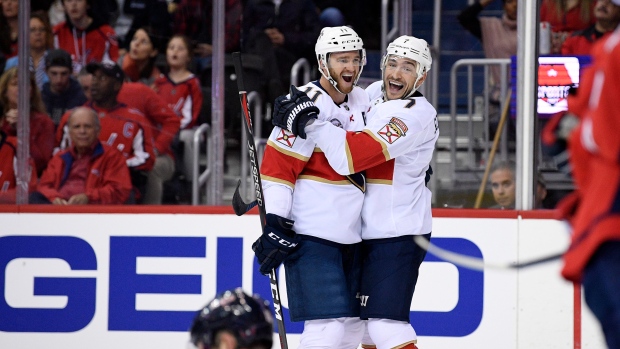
298 182
395 149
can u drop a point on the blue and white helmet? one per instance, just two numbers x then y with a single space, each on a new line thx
338 39
414 49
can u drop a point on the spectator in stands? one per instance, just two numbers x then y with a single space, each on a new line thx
607 16
41 40
139 63
85 79
593 257
62 92
84 36
180 89
503 185
193 18
233 320
281 34
122 127
88 172
163 122
9 27
565 17
8 162
499 40
41 126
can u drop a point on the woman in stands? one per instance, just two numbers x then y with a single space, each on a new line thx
139 63
41 125
180 88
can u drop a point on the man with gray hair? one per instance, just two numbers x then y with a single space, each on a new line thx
87 172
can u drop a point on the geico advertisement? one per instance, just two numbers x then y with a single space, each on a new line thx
137 280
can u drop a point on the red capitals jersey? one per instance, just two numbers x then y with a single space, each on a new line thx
184 98
8 162
94 44
594 152
123 128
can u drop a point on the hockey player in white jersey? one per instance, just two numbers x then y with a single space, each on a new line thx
322 250
395 150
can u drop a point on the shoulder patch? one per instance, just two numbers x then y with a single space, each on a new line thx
286 138
393 130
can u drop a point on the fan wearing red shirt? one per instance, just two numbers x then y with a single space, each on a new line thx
607 19
84 37
88 172
123 128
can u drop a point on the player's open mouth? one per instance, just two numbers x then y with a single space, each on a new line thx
395 86
347 78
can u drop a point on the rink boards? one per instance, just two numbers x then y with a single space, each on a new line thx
134 279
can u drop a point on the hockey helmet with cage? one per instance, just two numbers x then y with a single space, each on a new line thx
338 39
414 49
247 318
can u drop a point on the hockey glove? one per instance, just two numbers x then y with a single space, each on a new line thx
276 243
293 113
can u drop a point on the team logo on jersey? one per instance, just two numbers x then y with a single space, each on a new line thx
286 138
128 129
336 123
393 130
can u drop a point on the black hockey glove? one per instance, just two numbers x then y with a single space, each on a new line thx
293 113
276 243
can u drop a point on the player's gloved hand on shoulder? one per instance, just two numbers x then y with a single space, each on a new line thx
293 113
276 243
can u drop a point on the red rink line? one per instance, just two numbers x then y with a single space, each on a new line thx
186 209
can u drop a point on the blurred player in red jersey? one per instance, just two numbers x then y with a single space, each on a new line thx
593 257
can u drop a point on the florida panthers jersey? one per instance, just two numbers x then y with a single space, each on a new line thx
299 183
395 149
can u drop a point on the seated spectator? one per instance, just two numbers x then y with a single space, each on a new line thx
8 178
122 128
41 40
88 172
41 126
9 27
180 89
566 17
607 16
85 37
154 14
62 92
503 185
165 126
541 191
139 63
280 34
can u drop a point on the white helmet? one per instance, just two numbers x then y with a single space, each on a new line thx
338 39
414 49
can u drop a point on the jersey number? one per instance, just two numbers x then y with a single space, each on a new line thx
316 94
410 104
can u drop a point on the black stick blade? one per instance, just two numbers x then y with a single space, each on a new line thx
238 205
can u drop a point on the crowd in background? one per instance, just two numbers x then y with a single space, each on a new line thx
162 49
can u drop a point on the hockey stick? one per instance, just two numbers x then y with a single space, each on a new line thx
255 170
477 263
238 205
